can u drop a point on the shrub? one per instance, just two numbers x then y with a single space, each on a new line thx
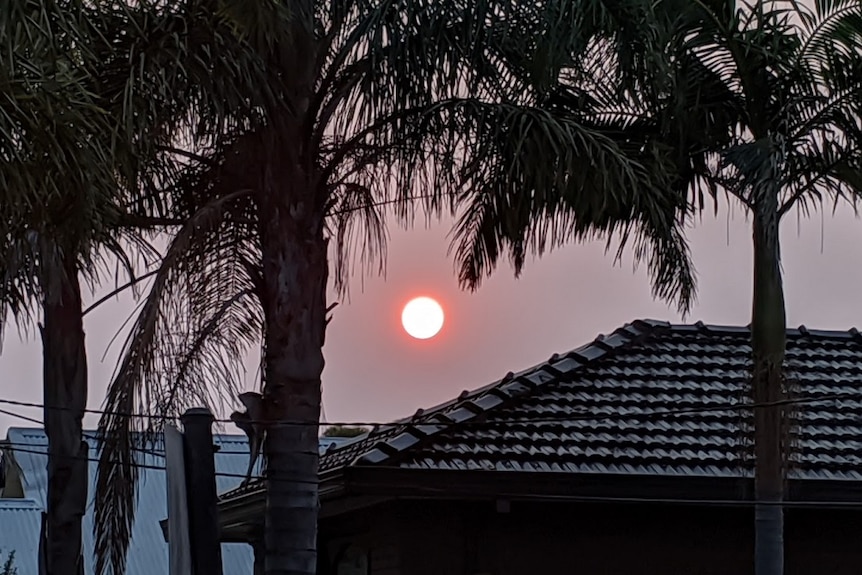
8 566
343 431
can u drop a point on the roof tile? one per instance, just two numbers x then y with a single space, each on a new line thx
651 398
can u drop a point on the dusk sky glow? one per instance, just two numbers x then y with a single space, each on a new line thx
377 372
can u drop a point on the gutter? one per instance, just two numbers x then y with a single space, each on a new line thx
238 513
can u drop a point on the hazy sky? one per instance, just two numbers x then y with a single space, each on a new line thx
375 372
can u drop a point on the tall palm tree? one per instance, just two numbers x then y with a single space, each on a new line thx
422 105
762 102
57 205
77 129
789 79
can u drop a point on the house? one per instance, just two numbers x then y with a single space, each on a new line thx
23 498
631 454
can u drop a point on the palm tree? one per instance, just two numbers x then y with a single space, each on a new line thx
415 104
762 102
787 77
77 129
58 201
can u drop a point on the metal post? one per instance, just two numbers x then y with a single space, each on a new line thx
199 453
176 527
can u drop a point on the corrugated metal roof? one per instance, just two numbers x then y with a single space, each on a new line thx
598 409
148 553
20 519
20 523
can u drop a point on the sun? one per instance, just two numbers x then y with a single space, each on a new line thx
422 318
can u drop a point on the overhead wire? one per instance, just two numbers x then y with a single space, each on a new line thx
478 421
428 489
809 504
424 418
139 449
486 424
21 416
28 448
500 423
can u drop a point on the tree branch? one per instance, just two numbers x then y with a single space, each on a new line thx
187 154
119 290
146 222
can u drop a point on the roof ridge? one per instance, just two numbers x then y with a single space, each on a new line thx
800 331
470 405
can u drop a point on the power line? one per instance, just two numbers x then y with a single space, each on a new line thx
86 410
15 447
27 448
501 423
21 416
427 418
809 504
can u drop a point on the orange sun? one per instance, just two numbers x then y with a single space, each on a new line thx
422 318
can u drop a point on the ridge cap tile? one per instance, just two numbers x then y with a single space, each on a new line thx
566 365
616 340
652 323
589 352
829 334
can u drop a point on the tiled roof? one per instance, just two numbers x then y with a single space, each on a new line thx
325 444
650 399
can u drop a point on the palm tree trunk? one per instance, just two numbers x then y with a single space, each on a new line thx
295 270
65 393
295 274
768 341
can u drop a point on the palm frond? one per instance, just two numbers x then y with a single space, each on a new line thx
357 224
437 133
828 26
533 182
823 167
58 187
185 348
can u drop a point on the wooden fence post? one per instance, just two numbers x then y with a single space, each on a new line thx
199 454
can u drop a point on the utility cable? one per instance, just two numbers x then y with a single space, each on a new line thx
427 417
809 504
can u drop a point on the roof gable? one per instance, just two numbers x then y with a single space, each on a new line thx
650 399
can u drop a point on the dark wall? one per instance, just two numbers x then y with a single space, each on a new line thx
469 538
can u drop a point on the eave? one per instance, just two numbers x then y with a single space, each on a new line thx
364 486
